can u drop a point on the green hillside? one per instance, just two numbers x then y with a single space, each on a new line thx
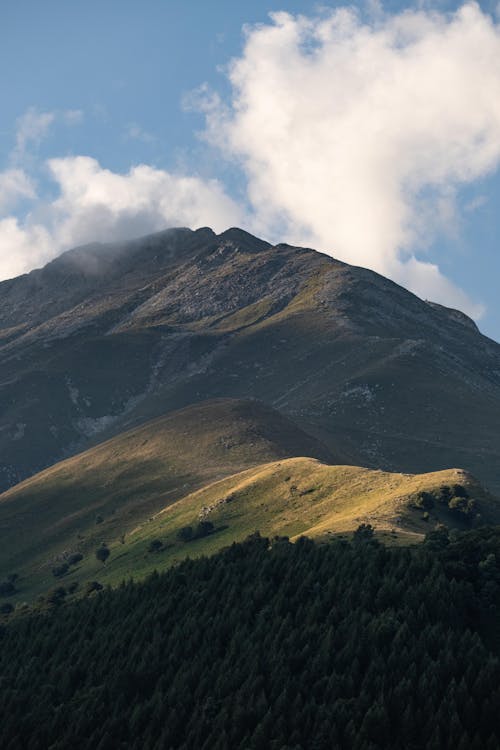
293 497
140 496
105 492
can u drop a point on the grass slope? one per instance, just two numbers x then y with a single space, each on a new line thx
292 497
104 493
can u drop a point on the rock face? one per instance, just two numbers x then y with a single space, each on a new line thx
107 336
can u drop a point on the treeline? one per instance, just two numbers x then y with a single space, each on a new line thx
269 646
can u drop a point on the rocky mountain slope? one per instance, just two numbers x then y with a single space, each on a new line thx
108 336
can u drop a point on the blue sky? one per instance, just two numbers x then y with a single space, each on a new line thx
122 63
266 143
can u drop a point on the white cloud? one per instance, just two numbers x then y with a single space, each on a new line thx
32 127
22 247
356 136
14 185
433 286
94 203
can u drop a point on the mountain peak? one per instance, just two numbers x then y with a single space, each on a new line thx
110 335
244 240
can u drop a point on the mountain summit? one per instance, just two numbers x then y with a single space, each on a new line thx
109 335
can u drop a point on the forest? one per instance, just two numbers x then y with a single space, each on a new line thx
268 645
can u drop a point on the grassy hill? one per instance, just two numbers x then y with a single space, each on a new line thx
170 490
294 497
103 493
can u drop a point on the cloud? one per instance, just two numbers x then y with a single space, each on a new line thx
94 203
14 185
32 127
356 135
22 247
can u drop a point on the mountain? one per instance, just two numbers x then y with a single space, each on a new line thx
107 337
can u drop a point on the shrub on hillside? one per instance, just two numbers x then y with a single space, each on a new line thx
56 596
60 570
92 586
204 528
424 500
185 534
364 533
102 553
74 558
462 506
437 539
155 545
188 533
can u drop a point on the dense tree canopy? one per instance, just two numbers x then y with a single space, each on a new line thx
268 645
